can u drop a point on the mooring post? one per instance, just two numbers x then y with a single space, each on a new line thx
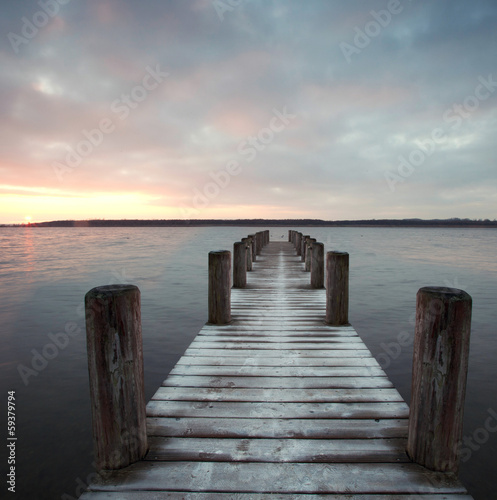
254 246
268 236
440 366
289 235
337 288
308 253
239 264
248 252
115 365
220 287
298 236
303 248
317 265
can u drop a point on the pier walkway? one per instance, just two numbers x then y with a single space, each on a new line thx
276 405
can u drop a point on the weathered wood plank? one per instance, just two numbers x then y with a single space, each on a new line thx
157 495
277 428
276 410
278 450
270 371
285 346
276 395
276 361
294 353
278 382
268 478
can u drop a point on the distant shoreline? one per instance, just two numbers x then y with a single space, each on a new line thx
436 223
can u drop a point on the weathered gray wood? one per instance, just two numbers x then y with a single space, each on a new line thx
298 243
115 364
301 353
277 395
440 365
285 371
156 495
253 237
248 253
278 428
317 265
308 253
278 382
292 478
239 264
303 247
277 361
221 409
337 288
277 346
259 241
277 450
219 287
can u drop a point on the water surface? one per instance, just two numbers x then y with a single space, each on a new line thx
45 273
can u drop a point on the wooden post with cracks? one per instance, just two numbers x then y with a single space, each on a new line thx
115 365
440 366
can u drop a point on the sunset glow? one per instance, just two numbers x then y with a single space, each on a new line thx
177 110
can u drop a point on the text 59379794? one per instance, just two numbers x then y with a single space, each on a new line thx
11 441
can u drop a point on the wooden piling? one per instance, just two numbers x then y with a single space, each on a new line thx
440 364
248 253
308 253
115 365
220 287
337 288
239 264
298 241
317 265
258 242
303 247
253 237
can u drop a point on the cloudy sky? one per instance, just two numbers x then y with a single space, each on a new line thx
248 108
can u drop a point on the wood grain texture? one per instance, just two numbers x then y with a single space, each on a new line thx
115 365
440 367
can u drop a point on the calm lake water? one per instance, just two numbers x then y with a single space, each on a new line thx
45 273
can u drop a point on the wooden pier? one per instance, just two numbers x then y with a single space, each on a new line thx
276 404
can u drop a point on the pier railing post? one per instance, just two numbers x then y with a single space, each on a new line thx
337 288
248 253
317 265
303 248
239 264
219 287
440 365
115 365
253 237
308 253
298 241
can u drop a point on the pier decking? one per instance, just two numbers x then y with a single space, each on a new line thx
276 405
